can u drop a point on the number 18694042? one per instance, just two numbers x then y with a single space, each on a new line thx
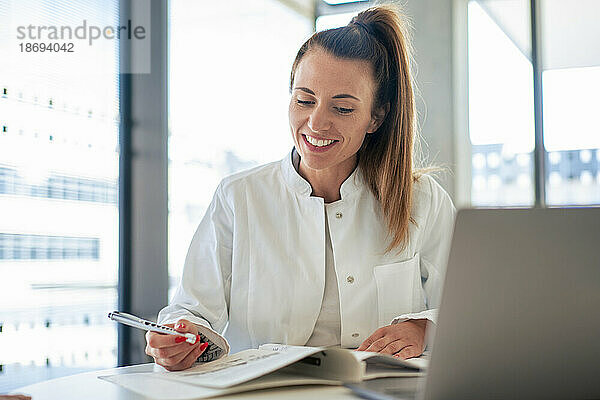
47 47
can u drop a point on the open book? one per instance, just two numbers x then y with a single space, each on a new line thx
270 365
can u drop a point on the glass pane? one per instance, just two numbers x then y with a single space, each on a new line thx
571 103
501 118
334 20
58 243
228 100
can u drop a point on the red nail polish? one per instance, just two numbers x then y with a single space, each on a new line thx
180 326
203 346
180 339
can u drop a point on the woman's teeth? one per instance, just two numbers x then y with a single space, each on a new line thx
318 142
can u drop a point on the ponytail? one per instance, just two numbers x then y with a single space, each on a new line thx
380 36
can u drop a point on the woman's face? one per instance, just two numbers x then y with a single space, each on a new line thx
331 110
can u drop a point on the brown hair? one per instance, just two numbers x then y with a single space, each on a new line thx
380 36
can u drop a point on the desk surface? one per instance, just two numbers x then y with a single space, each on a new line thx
88 386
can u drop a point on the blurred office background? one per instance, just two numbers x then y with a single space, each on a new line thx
103 180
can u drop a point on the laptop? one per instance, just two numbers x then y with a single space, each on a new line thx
520 311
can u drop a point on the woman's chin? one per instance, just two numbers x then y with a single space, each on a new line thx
316 164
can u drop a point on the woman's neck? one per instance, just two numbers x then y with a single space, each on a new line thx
326 183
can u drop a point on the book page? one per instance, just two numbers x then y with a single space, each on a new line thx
351 365
239 368
377 370
419 363
330 363
154 387
218 346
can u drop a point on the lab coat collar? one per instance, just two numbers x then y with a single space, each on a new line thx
352 185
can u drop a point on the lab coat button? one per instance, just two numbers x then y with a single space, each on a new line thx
355 335
338 215
350 279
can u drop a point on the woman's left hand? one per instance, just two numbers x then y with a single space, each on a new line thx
405 339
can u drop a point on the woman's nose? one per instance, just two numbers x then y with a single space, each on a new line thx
319 119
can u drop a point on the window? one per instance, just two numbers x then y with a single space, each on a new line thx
58 208
228 100
333 14
58 187
501 102
571 135
501 121
38 247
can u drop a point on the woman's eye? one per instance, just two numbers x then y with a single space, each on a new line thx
343 110
304 102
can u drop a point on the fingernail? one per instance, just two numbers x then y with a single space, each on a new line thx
203 346
180 339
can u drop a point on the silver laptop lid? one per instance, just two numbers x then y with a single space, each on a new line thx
520 313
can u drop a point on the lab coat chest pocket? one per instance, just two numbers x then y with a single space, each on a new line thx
397 286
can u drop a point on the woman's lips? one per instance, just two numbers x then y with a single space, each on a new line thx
319 149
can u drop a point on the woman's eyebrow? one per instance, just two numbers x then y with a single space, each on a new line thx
307 90
337 96
345 96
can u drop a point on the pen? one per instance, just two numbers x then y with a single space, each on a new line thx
136 322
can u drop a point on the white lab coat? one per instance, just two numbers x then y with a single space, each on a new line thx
255 269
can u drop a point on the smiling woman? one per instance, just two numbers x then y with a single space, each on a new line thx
341 242
377 44
329 117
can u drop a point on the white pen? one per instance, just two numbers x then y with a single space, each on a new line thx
136 322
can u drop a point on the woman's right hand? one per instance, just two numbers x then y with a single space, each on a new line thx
172 352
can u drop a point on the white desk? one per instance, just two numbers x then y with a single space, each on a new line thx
88 386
